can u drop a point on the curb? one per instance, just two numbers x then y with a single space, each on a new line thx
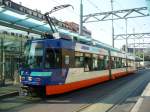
139 102
11 94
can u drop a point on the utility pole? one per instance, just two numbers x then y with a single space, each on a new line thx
112 8
81 18
2 62
134 42
126 22
143 52
134 48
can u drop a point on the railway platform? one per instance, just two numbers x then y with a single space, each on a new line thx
9 91
143 103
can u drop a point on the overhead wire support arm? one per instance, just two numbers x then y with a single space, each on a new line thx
132 36
118 14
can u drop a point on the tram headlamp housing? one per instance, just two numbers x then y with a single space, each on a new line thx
22 78
30 78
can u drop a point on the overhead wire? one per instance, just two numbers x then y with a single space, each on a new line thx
120 5
133 21
94 5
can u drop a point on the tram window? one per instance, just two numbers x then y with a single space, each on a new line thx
118 62
132 63
107 62
115 62
52 58
79 59
124 62
129 63
88 66
121 62
67 58
112 62
35 57
95 62
101 62
104 63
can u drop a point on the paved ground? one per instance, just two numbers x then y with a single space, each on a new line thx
143 102
106 94
123 99
8 89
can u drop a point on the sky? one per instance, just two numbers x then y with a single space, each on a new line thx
101 31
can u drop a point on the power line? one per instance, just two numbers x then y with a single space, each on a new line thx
94 5
133 21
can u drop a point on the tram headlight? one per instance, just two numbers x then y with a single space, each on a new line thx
22 78
30 78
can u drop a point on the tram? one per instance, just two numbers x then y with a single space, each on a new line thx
63 63
63 60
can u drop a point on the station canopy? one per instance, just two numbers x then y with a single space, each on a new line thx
19 17
16 16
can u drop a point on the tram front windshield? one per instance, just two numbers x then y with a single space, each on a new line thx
34 55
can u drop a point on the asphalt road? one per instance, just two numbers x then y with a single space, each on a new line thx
88 97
